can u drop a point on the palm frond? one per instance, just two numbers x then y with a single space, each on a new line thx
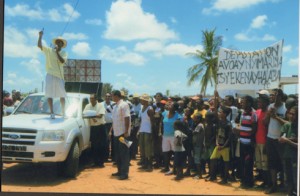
206 70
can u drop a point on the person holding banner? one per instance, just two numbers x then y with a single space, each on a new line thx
275 120
246 131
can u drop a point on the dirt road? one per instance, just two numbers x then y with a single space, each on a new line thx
43 178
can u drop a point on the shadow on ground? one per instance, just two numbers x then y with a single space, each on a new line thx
37 174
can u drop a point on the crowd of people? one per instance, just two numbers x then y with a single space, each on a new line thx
253 140
220 137
10 100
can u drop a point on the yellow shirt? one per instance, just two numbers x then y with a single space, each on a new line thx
53 65
202 112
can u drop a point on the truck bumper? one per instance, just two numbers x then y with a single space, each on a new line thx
44 152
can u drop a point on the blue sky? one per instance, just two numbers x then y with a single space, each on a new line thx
142 43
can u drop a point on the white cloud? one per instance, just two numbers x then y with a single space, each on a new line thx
17 44
232 5
129 83
63 14
81 49
12 75
75 36
123 75
94 21
246 37
268 37
287 48
180 49
294 62
126 21
259 21
173 20
23 10
173 85
12 82
149 46
159 48
34 66
242 37
32 34
121 55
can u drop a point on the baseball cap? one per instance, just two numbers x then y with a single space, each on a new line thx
263 92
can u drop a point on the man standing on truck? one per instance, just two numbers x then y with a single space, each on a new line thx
98 131
121 127
55 60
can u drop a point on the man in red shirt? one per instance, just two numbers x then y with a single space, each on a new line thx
261 138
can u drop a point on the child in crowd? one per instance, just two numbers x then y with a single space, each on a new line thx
198 140
189 124
290 154
222 145
210 130
179 155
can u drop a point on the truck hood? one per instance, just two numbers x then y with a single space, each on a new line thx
35 121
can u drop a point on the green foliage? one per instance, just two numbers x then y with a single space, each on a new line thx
126 91
206 69
106 88
168 92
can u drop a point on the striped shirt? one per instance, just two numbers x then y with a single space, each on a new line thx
247 119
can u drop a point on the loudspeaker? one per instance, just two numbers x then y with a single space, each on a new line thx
84 87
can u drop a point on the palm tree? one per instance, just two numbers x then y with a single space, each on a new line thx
206 70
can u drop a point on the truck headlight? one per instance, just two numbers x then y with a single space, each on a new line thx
53 135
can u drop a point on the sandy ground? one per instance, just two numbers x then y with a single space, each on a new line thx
43 178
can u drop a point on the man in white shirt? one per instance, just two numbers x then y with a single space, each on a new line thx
274 120
108 105
121 127
98 132
135 125
145 133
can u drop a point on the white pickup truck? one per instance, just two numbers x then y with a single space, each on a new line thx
29 135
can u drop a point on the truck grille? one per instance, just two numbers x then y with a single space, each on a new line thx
19 136
15 142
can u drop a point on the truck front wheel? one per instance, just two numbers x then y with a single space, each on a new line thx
69 168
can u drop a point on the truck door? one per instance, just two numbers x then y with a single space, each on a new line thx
86 125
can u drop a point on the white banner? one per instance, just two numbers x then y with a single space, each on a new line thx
238 70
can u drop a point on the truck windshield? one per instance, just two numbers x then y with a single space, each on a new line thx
39 105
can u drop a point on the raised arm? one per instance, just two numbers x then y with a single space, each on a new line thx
40 40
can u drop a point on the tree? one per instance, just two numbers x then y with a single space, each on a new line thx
168 92
126 91
206 70
106 88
